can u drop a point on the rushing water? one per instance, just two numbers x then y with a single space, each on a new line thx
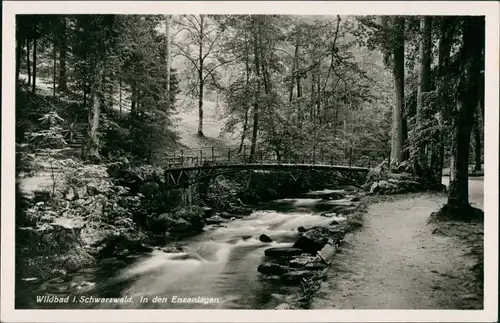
219 263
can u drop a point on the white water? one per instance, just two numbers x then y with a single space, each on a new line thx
219 263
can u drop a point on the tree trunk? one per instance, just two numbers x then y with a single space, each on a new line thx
19 46
28 59
168 58
247 108
133 101
477 141
84 94
93 116
419 156
458 194
244 131
294 68
398 70
255 128
33 88
150 146
200 107
200 81
63 85
318 94
473 44
120 95
442 86
54 66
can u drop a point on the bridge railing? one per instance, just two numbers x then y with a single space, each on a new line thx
207 156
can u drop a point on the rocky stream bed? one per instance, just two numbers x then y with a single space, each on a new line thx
271 256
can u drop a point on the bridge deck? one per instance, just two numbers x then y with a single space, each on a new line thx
265 166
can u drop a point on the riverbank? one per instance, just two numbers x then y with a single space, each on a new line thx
72 215
399 261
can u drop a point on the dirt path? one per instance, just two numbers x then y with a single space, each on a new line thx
396 262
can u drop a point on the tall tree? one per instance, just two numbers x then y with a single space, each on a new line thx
424 86
168 56
256 42
20 39
398 52
63 84
35 36
203 35
445 43
471 65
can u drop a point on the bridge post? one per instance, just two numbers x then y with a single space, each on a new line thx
244 153
201 157
350 157
229 155
314 155
213 155
182 157
331 159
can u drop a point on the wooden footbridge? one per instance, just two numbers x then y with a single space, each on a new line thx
190 166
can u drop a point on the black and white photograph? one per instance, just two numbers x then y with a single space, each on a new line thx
203 159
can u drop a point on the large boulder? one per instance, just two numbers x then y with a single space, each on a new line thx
181 226
270 268
115 245
166 222
283 252
193 215
313 240
207 211
309 245
265 238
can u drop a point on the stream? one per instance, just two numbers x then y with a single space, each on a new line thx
217 267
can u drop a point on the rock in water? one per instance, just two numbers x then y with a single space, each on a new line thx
328 252
309 245
313 240
283 252
214 220
301 261
295 277
301 229
270 268
207 211
265 238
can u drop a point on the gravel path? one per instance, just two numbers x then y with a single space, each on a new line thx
396 262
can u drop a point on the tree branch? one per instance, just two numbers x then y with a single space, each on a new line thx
211 45
215 67
186 55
